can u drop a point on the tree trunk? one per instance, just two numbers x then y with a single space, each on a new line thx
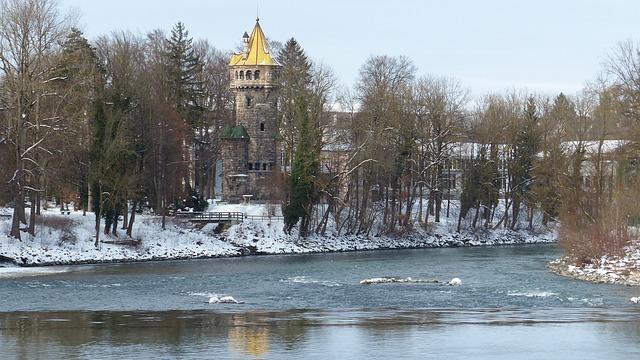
98 212
475 217
15 223
32 216
114 227
421 192
38 203
125 212
132 219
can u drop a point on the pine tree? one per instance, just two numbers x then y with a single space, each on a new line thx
183 67
81 78
295 78
525 148
302 181
186 93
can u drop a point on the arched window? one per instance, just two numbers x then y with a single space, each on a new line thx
261 126
236 75
264 166
248 101
241 75
248 75
256 75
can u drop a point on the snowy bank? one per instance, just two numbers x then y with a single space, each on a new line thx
73 243
623 269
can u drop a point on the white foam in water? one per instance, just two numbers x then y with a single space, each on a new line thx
307 280
533 294
16 271
223 300
395 280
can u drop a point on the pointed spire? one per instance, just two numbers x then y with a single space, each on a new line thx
257 51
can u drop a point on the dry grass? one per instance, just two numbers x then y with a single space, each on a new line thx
58 223
601 228
588 243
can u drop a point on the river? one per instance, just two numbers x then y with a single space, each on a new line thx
313 307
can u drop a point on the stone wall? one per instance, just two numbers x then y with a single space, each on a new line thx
235 180
256 109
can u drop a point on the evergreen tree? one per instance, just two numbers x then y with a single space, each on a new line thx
525 149
81 78
183 66
306 165
295 78
186 91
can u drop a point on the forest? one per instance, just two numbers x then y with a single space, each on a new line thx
128 122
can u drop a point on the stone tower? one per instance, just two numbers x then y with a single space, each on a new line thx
250 154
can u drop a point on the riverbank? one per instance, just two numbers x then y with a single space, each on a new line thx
622 270
68 239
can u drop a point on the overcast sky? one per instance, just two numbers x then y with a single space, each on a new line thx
490 45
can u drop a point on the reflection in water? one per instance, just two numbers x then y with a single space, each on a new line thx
249 341
480 333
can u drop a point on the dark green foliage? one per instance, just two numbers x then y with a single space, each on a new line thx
183 66
525 147
193 201
295 79
302 181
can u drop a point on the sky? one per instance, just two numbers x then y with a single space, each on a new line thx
491 46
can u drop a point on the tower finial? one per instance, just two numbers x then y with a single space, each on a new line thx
257 13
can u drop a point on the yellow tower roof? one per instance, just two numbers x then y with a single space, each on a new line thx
258 50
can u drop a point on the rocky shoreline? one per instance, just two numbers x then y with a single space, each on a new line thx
621 270
254 245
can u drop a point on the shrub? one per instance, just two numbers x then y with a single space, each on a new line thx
60 223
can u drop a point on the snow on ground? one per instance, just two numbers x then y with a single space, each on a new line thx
47 248
74 243
623 269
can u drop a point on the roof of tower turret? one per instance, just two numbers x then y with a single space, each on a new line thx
258 54
235 133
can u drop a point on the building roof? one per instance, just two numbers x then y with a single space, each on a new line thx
235 133
258 52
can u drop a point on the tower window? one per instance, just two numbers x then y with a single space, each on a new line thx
236 75
256 75
261 126
241 75
264 166
250 166
248 101
248 75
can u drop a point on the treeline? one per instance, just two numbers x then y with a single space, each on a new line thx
130 121
124 122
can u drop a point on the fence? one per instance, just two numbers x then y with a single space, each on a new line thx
212 217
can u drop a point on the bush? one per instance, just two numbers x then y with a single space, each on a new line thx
193 201
60 223
588 243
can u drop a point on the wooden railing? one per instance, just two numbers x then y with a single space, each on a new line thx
201 216
218 217
263 218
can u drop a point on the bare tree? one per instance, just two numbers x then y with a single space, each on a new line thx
30 34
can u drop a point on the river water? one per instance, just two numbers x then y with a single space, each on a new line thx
313 306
